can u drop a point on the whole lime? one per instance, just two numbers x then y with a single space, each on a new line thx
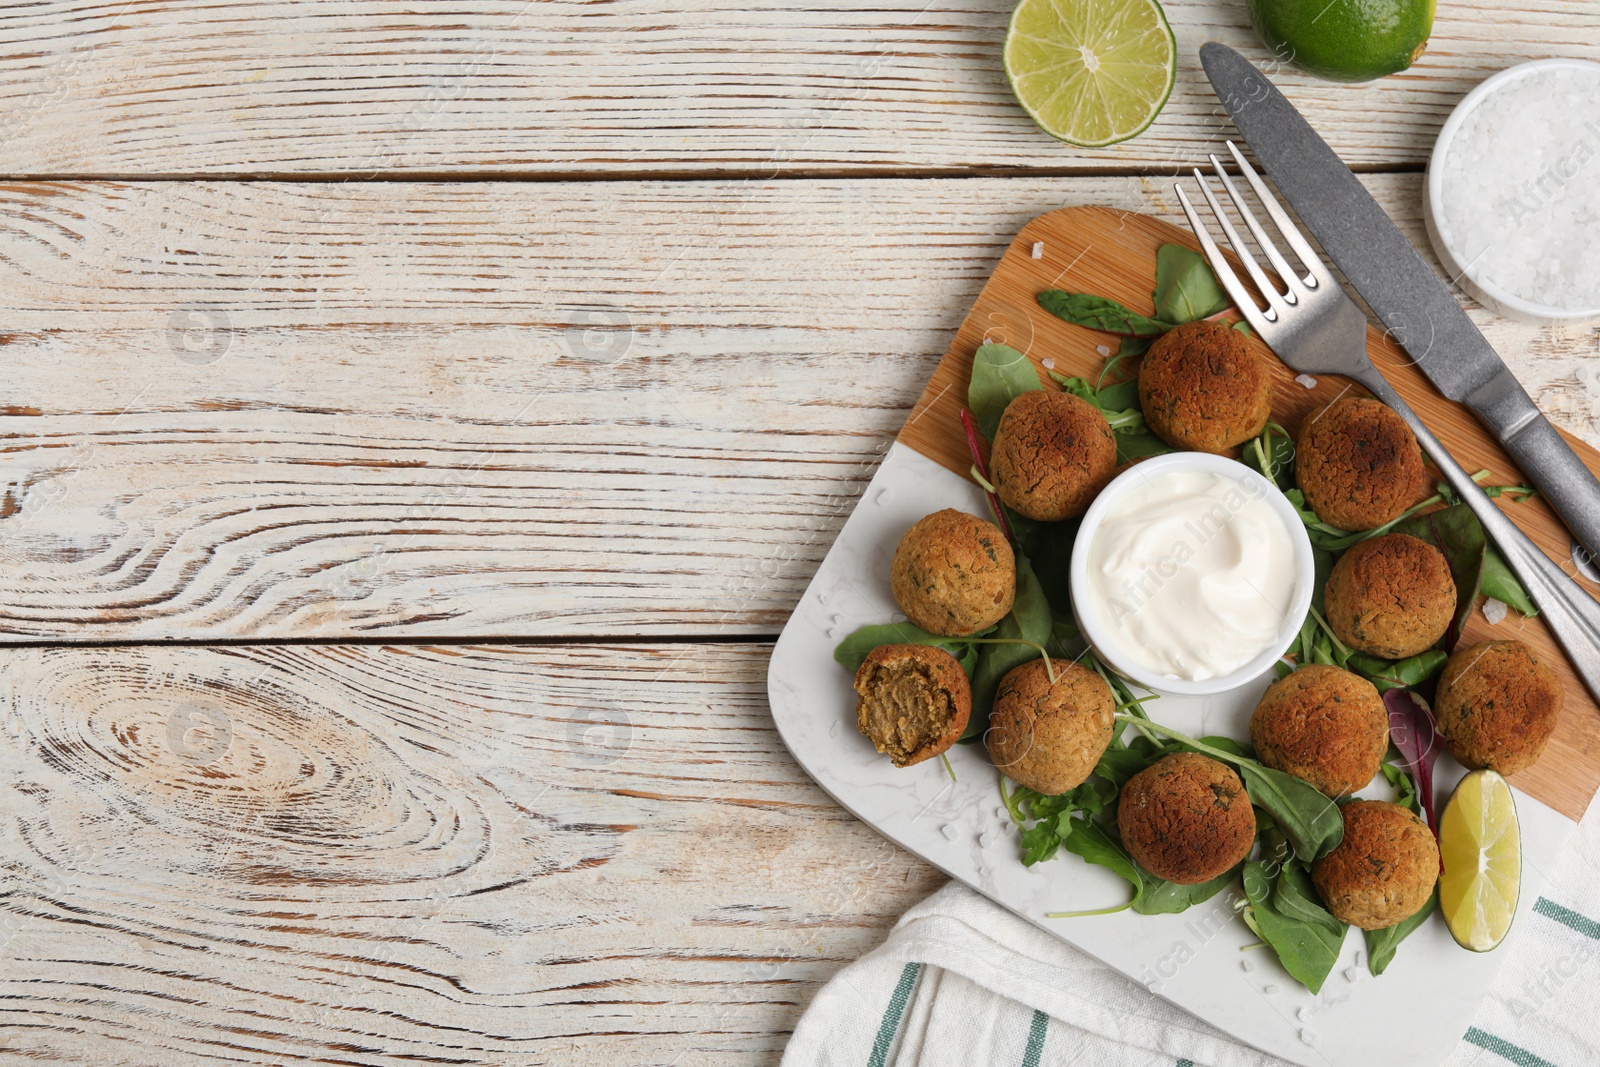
1345 40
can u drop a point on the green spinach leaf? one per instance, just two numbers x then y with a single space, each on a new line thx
852 651
1029 620
1186 289
1307 950
1398 674
1000 374
1158 897
1381 944
1295 898
1500 583
1100 313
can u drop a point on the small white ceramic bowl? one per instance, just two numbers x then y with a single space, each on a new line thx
1104 642
1487 293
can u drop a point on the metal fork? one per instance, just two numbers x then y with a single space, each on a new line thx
1316 329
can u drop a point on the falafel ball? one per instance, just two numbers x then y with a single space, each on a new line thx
1384 869
914 703
1322 724
1052 453
953 574
1047 736
1186 818
1358 464
1391 596
1497 705
1203 388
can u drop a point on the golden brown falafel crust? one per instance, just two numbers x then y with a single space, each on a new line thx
1052 453
1497 705
1391 596
1358 464
953 574
914 701
1186 818
1203 388
1322 724
1049 737
1384 869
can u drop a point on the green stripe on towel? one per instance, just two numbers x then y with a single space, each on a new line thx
1567 917
1036 1031
1505 1049
891 1018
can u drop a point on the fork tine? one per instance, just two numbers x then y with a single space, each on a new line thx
1276 301
1318 272
1289 276
1219 264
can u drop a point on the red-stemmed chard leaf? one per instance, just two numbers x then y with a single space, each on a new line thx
1411 730
983 472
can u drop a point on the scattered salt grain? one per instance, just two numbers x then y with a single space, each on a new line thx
1049 362
1305 1014
1104 350
1494 611
1038 250
1306 380
1361 958
1351 974
1270 989
1247 965
985 839
950 832
1520 192
1307 1036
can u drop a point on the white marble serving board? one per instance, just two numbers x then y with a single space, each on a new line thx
1413 1014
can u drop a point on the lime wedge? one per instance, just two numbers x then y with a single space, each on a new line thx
1091 72
1481 848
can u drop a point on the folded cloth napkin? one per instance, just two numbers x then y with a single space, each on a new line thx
931 995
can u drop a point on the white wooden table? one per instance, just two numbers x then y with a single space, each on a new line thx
417 423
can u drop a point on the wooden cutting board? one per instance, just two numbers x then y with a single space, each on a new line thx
1113 253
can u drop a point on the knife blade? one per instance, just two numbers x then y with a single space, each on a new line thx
1410 300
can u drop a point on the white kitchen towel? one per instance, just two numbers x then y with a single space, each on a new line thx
930 996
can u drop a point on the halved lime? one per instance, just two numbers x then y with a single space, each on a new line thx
1481 848
1091 72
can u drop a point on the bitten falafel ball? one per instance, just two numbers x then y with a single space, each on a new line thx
1358 464
1391 596
1497 705
1322 724
953 574
1384 869
1186 818
1203 388
1048 736
914 701
1052 453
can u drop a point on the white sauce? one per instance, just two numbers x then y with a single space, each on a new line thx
1192 573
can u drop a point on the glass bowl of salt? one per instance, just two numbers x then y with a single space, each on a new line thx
1513 192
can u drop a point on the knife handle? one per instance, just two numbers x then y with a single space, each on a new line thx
1563 480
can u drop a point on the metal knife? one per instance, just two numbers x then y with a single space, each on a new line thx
1402 290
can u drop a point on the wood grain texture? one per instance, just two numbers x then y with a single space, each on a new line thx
266 411
377 88
1113 254
552 855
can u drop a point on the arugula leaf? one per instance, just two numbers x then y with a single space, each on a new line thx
1455 532
1094 845
852 651
1272 454
1307 950
1121 762
1186 289
1120 405
1381 944
1000 374
1500 583
1295 898
1100 313
1158 897
1405 786
1029 620
1398 674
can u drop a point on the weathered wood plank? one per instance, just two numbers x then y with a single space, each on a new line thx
264 87
363 855
401 423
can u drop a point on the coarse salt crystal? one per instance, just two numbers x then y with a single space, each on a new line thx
1494 611
1049 363
1103 350
1519 193
1306 380
950 832
1269 989
1038 250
